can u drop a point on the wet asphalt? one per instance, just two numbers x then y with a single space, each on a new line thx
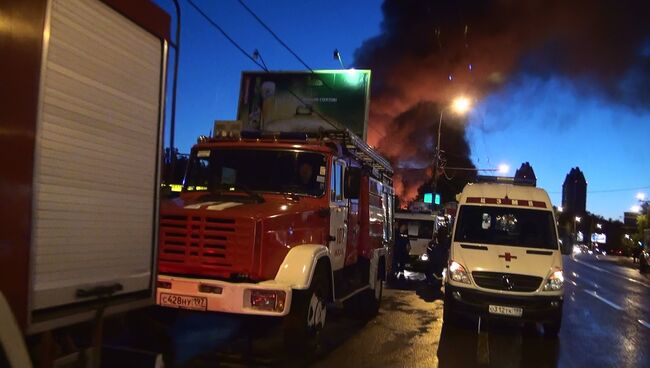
606 323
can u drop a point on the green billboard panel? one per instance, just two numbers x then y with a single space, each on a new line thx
305 101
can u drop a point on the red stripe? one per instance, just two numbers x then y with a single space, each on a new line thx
507 201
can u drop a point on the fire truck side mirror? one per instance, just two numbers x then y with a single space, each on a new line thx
352 182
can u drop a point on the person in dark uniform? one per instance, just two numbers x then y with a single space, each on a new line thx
402 248
438 252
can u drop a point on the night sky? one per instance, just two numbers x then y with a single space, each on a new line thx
555 85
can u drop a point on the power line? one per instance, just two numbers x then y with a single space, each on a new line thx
232 41
252 58
260 21
610 190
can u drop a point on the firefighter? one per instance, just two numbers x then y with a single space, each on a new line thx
402 249
439 253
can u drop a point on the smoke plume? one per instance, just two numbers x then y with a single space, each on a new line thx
429 51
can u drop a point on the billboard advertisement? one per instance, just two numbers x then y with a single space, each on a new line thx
305 101
598 238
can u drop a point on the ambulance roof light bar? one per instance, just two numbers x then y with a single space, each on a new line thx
506 180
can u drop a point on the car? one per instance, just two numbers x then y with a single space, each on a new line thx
644 260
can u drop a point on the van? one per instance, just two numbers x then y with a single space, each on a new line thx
421 230
505 259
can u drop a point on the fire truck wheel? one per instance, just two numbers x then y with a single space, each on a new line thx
306 319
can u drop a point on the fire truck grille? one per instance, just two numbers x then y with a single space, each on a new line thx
207 243
506 281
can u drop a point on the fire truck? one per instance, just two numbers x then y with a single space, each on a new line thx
280 225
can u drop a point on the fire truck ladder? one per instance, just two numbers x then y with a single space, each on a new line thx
361 150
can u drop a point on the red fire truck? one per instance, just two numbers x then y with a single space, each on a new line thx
278 224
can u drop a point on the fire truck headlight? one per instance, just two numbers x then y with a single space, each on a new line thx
268 300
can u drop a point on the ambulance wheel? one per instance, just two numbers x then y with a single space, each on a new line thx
449 317
552 329
303 325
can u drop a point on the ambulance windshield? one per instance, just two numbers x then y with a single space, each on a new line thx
506 226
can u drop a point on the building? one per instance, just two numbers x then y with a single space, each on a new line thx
526 172
574 192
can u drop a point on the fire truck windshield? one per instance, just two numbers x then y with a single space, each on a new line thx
257 170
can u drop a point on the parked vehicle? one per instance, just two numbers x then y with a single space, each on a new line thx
421 229
82 136
279 224
505 259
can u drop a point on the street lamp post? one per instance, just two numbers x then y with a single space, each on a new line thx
576 219
460 105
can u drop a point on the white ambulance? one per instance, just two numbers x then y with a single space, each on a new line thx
505 259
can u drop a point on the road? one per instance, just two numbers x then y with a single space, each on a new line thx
606 323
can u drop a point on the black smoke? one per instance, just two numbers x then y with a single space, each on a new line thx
430 51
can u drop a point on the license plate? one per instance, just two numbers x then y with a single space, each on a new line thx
505 311
184 301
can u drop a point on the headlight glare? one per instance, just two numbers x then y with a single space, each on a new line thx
457 273
555 281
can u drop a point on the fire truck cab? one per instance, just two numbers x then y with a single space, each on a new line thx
278 224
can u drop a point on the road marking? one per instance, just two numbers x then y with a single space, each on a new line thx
646 324
611 304
611 273
482 346
573 282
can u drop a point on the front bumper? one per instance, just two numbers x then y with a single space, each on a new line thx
233 297
536 308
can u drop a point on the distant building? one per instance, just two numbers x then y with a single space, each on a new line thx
630 219
526 172
574 192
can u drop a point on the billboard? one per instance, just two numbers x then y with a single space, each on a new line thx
305 101
598 238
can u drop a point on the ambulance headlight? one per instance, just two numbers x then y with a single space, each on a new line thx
458 273
555 281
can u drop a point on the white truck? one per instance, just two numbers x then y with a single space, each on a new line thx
81 139
505 259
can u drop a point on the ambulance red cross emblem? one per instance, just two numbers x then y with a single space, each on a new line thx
507 256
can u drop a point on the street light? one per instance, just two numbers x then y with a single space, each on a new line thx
460 105
575 234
